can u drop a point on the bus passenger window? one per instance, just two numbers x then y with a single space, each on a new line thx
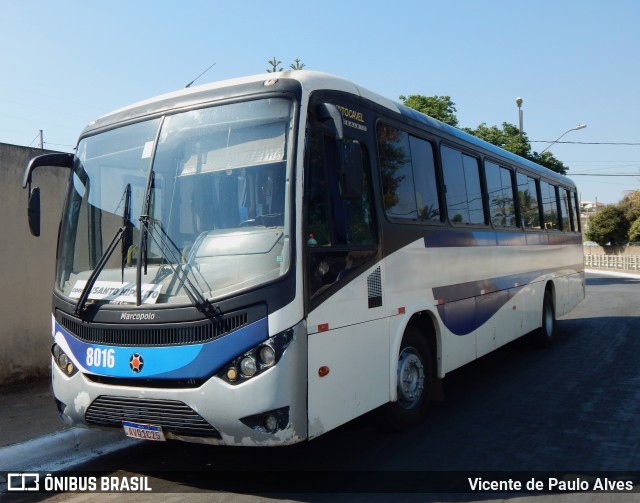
528 200
424 174
575 214
463 189
549 205
500 190
397 173
408 176
565 211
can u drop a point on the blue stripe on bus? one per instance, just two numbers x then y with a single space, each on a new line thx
195 361
461 238
465 307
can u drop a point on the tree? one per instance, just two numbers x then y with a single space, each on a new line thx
297 65
548 160
438 107
634 231
509 138
631 206
274 65
609 226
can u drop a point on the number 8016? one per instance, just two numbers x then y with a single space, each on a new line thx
97 357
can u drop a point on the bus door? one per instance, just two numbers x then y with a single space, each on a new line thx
348 371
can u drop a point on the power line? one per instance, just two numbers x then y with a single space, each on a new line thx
602 169
588 142
31 143
604 174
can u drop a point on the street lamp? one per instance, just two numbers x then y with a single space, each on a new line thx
519 103
579 126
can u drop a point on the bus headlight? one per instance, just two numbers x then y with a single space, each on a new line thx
248 366
257 360
267 355
63 362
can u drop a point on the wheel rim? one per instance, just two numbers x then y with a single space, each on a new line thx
410 378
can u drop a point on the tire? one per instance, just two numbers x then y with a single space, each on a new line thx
546 334
414 382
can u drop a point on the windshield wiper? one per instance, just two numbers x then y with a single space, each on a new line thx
165 244
126 223
198 299
84 295
123 234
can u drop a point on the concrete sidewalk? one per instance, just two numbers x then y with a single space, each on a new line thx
28 411
32 436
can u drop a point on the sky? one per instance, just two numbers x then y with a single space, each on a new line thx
64 63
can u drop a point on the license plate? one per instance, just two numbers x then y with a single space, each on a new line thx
143 431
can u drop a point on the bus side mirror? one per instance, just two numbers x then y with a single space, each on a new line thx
351 170
58 160
331 117
33 212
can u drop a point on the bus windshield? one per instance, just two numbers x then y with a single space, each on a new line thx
198 199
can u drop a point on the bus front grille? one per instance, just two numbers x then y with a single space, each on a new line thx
173 416
165 334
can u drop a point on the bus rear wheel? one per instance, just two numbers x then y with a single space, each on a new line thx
545 335
414 379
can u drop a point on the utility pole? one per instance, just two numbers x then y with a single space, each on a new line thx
41 139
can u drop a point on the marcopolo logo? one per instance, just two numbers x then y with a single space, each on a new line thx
137 316
136 362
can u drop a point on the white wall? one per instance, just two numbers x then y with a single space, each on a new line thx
28 265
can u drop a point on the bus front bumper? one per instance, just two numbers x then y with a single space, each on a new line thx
266 410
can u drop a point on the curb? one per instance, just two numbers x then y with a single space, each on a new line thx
61 450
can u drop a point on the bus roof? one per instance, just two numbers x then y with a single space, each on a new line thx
309 81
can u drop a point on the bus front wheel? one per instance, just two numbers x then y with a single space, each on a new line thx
414 379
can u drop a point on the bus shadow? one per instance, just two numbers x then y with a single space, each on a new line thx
610 280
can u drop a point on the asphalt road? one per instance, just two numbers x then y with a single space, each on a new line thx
572 408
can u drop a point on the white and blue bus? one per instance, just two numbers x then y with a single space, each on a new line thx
260 260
